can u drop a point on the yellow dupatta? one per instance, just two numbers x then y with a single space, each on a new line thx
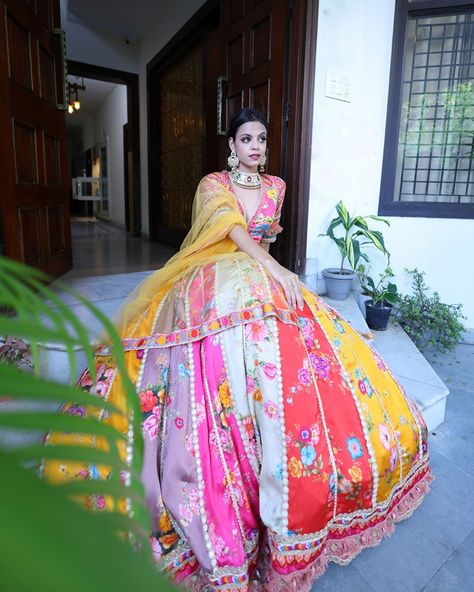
214 214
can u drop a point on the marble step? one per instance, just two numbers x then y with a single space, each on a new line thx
407 363
107 293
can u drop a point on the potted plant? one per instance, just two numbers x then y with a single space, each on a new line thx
356 234
382 296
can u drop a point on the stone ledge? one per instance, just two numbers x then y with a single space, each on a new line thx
100 287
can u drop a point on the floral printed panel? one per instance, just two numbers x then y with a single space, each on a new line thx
226 465
102 385
396 436
191 311
328 462
253 366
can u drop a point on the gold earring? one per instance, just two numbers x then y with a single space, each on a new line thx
262 163
233 160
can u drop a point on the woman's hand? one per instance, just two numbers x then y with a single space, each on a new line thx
289 282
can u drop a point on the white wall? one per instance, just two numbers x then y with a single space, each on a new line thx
106 123
88 134
347 151
90 46
157 35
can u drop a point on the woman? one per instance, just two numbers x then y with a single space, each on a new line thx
276 439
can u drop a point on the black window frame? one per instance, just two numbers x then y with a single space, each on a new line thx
387 205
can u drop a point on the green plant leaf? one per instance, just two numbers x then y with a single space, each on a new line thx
31 296
335 222
379 219
376 238
390 297
25 294
340 244
350 254
360 222
371 282
36 333
343 215
102 487
67 547
356 250
427 320
59 422
20 385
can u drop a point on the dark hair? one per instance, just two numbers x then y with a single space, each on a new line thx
244 116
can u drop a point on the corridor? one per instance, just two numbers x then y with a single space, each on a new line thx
99 248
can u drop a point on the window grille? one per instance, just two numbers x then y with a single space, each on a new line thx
435 160
428 165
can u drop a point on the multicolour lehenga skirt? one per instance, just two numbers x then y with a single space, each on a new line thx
276 440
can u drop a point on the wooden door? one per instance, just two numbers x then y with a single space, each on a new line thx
181 140
176 138
34 206
262 52
254 42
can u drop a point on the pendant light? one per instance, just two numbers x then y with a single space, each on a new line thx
74 102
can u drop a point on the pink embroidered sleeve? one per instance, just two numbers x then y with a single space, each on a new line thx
275 228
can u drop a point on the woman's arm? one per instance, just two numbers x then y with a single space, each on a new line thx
288 280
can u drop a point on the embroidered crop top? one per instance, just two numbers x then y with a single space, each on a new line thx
265 223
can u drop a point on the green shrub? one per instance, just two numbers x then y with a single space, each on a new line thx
427 320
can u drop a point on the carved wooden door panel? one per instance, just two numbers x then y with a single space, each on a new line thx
253 48
177 141
34 205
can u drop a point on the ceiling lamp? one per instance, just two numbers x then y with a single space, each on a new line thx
74 102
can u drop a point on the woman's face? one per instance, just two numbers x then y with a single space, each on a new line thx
250 144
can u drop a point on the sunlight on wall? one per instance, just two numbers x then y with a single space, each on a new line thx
346 161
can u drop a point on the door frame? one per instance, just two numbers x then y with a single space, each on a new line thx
299 79
130 80
296 158
126 175
34 102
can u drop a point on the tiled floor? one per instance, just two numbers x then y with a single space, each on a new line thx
102 249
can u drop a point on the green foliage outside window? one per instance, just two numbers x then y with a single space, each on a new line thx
442 121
